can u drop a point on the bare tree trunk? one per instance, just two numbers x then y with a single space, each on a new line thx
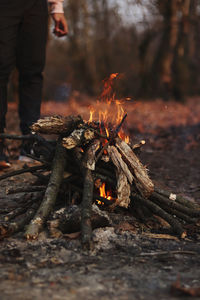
88 39
171 25
182 71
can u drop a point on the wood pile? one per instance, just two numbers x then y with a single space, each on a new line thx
85 159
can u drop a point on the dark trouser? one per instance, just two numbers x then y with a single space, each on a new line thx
23 35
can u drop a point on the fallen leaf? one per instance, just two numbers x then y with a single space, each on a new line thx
178 289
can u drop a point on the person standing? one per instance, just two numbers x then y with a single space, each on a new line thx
23 38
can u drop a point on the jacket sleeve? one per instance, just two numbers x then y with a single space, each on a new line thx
56 6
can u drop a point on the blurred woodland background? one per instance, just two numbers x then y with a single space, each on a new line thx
154 43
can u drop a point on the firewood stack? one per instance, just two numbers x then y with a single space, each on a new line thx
97 158
87 158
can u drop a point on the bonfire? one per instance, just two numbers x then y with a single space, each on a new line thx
96 164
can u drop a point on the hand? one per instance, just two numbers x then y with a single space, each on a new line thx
61 27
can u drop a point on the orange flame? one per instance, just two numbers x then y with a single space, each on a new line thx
104 194
108 109
102 190
91 114
124 137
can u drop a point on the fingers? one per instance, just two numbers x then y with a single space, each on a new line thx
61 28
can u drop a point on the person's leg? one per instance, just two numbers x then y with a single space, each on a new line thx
9 24
31 61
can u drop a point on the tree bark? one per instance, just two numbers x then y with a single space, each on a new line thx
50 196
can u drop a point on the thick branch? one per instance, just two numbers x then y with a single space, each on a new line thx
141 178
88 165
51 193
123 176
56 124
173 204
177 198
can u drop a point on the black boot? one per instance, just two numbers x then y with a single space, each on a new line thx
26 150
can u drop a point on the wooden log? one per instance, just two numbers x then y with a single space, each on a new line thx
89 160
57 124
180 215
157 210
117 160
123 176
88 164
194 213
176 198
141 178
78 137
51 193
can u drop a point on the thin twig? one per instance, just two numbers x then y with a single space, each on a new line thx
26 189
17 137
24 170
182 252
34 137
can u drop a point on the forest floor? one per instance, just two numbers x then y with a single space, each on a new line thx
124 264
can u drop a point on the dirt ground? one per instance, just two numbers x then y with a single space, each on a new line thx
123 264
